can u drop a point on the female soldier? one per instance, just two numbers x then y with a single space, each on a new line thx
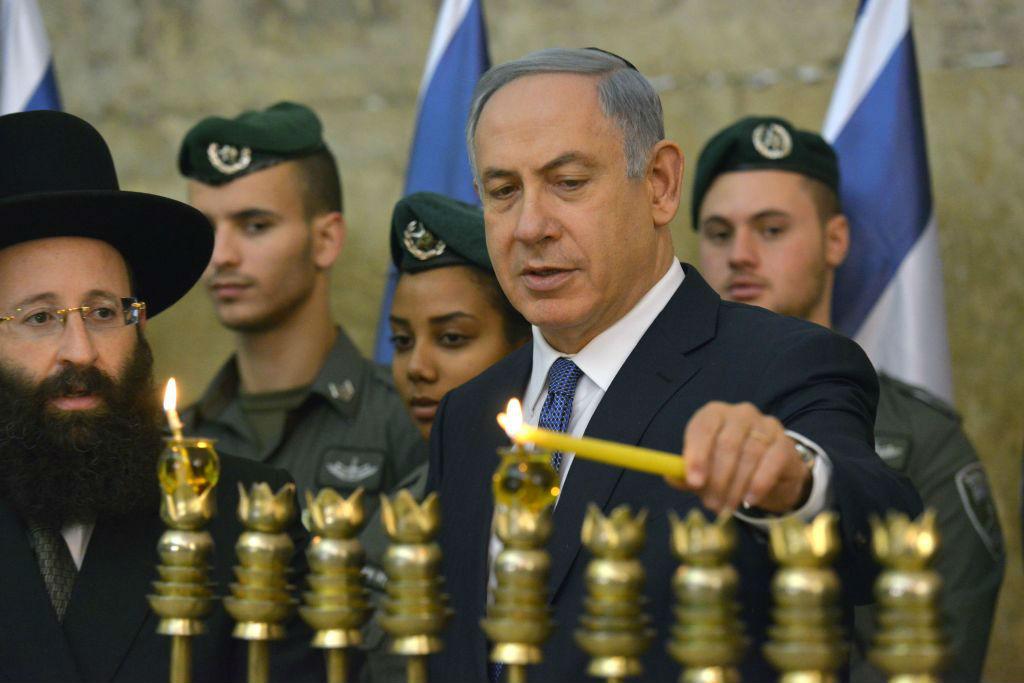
450 320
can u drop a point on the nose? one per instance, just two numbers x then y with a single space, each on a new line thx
422 368
76 344
535 221
225 249
743 252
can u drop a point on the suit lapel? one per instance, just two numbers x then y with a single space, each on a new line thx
32 643
108 605
656 369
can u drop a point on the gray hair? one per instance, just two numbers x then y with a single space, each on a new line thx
625 95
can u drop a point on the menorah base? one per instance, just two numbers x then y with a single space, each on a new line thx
257 631
180 627
414 646
710 674
808 677
337 638
614 667
516 653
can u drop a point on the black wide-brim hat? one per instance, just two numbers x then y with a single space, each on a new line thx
57 179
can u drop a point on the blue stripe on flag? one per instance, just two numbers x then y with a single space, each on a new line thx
438 160
46 95
885 186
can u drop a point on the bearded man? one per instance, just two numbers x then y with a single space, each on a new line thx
81 265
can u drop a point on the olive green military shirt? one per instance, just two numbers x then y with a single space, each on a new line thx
920 436
350 430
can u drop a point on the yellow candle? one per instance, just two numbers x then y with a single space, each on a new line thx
608 452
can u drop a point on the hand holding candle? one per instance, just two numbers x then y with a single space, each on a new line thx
608 452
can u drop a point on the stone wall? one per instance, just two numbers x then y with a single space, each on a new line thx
144 70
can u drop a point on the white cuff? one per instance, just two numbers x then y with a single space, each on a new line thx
817 501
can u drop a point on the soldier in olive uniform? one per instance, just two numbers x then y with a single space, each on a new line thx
765 204
296 394
450 321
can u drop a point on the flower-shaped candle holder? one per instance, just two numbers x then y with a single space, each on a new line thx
187 471
614 630
261 599
806 642
707 638
337 604
415 609
909 644
518 618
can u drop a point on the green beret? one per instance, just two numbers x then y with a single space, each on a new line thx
763 142
218 150
429 230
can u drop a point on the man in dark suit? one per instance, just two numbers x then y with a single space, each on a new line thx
773 415
81 264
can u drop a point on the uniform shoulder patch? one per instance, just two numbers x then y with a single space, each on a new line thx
976 496
893 449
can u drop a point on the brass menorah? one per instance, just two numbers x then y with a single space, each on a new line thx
707 639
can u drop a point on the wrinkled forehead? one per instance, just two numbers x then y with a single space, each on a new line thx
566 96
66 269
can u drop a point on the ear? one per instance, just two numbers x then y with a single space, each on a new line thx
664 177
329 231
837 240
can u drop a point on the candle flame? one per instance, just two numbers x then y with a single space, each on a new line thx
171 395
512 419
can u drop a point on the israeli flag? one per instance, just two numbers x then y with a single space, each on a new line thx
438 160
27 80
888 294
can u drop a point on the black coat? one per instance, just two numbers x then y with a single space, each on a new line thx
699 349
109 631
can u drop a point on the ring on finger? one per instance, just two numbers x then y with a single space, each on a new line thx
758 435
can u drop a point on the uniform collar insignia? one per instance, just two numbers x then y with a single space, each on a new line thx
422 243
345 391
228 159
772 141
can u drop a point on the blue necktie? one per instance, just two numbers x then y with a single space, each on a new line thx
554 415
557 408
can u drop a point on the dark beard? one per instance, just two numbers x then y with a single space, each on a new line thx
60 468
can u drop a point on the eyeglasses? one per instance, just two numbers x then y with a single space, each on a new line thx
38 322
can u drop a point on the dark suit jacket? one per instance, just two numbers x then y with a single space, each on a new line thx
109 631
699 349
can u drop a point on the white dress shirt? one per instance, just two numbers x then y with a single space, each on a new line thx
77 537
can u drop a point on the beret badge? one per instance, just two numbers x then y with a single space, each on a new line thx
422 243
228 159
772 141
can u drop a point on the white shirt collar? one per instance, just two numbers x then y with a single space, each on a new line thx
603 357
